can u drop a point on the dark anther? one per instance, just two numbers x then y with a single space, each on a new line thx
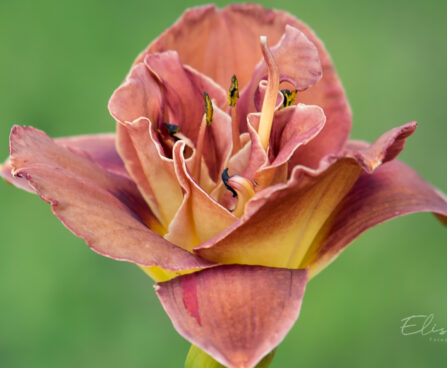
289 97
172 128
233 92
225 178
208 108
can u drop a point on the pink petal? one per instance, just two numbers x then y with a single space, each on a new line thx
298 63
200 217
102 208
392 190
237 314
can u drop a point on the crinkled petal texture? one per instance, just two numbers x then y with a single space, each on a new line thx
97 204
221 42
305 221
235 313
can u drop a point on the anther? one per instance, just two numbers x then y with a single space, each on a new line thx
225 178
172 128
233 92
233 96
208 109
289 97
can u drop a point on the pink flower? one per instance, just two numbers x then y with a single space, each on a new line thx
233 201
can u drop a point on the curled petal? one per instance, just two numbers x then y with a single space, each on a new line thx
200 217
237 314
392 190
102 208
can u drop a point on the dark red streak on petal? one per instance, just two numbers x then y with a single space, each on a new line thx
190 299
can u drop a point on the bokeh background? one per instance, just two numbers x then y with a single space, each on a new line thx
62 305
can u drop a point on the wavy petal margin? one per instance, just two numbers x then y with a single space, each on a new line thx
235 313
100 207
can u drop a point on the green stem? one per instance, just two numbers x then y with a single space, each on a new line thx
197 358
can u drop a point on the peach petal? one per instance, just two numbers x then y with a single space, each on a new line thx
236 314
102 208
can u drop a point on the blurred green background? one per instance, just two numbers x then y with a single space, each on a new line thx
62 305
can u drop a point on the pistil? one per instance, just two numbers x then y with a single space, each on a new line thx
233 96
271 94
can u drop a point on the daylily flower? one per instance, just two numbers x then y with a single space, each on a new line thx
230 179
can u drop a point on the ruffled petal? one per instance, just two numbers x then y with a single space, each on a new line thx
392 190
237 314
283 224
200 217
102 208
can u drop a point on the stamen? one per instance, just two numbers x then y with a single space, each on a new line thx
271 94
233 96
206 121
244 189
289 97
